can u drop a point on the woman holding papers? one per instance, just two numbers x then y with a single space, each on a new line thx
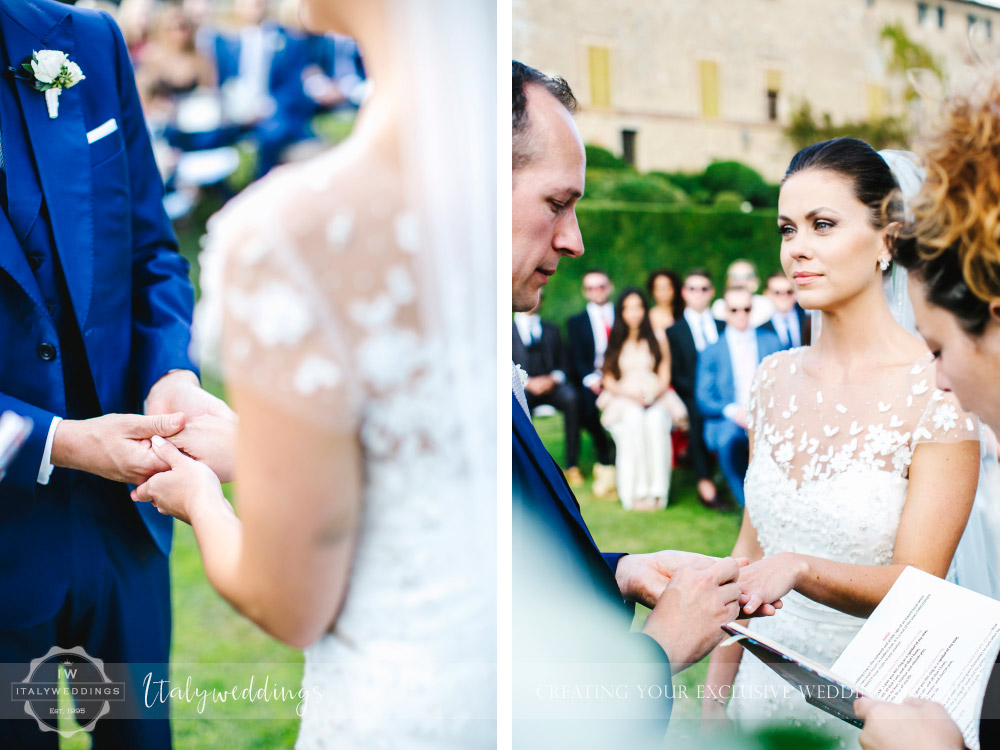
859 465
953 255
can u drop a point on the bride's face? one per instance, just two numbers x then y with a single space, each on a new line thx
829 247
966 364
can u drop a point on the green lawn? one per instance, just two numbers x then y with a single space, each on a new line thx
686 525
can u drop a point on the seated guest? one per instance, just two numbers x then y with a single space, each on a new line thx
633 405
537 348
260 71
588 333
335 76
742 274
789 322
694 330
725 373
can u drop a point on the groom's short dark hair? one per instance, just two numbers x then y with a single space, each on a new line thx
522 76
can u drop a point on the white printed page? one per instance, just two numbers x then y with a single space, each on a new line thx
927 639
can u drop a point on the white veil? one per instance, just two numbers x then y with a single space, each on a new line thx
976 564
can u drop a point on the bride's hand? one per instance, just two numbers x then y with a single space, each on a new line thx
187 488
769 579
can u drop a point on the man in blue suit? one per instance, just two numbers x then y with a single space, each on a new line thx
789 321
263 65
722 387
581 679
95 313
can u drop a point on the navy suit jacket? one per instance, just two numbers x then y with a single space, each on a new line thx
570 621
805 327
291 53
582 348
715 388
127 285
684 357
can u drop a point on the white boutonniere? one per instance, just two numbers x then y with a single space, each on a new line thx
521 374
53 71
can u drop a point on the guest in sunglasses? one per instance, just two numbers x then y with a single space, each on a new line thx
722 387
789 321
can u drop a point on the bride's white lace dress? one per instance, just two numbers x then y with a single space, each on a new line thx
317 278
828 478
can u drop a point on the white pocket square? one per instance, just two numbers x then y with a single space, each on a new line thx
102 131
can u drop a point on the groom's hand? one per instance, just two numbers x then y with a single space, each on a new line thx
688 617
115 446
642 578
180 391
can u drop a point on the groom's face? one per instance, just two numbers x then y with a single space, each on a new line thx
545 192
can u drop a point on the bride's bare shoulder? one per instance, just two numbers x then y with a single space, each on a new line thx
304 197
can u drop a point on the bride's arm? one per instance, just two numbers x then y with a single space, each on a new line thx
299 497
284 562
942 487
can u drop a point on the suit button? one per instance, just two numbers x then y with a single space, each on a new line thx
46 352
34 261
51 307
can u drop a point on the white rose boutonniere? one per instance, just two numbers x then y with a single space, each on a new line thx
53 71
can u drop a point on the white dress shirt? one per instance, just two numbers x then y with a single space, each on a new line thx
744 357
703 328
529 328
602 317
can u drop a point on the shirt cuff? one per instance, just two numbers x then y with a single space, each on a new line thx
729 411
45 471
591 379
559 376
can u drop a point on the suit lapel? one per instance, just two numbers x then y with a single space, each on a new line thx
14 262
525 432
61 152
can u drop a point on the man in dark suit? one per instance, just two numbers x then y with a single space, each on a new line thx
725 373
789 321
587 335
95 314
688 336
573 604
537 348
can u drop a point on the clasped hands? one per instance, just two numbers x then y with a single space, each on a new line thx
691 596
129 448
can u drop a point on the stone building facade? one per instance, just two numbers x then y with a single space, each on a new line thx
674 84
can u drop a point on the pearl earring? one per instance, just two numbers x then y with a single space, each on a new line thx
884 264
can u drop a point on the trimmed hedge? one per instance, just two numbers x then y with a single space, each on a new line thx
628 241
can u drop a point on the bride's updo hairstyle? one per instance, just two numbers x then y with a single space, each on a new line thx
867 172
953 243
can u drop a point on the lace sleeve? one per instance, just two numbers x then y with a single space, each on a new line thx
763 378
266 322
944 421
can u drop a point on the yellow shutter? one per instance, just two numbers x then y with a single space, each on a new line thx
600 76
773 80
877 99
709 88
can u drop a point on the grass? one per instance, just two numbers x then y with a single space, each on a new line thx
685 525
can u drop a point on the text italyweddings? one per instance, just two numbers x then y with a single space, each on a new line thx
159 691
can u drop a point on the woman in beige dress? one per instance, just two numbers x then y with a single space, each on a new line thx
633 405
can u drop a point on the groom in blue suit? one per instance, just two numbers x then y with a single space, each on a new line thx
95 313
722 387
581 679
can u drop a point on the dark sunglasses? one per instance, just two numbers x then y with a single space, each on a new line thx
739 309
697 288
783 292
